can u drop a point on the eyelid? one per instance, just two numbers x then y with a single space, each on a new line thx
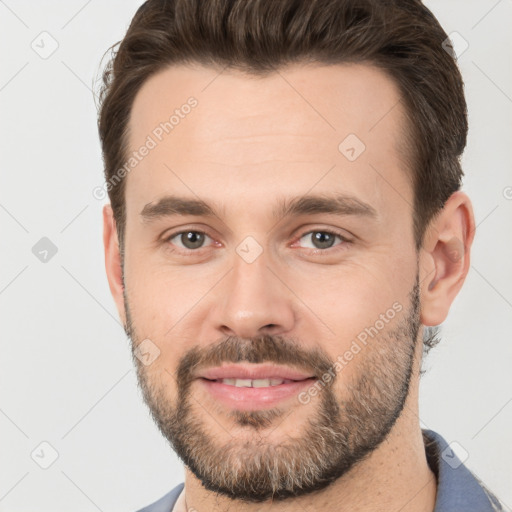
331 231
167 238
320 229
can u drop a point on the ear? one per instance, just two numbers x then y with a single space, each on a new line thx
113 260
445 257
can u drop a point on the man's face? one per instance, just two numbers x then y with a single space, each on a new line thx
256 293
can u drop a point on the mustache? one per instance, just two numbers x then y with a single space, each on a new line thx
261 349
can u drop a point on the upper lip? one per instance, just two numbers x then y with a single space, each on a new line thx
261 371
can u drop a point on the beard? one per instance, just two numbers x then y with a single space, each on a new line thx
341 430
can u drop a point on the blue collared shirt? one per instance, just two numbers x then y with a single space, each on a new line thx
458 490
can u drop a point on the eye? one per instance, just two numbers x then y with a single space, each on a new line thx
189 240
322 239
319 240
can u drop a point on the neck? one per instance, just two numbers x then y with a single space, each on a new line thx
396 476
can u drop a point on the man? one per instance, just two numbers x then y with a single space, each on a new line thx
285 227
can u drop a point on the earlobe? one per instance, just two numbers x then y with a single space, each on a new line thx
113 260
446 258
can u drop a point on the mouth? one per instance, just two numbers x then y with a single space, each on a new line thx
253 387
254 373
254 383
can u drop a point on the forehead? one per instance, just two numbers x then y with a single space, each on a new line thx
225 134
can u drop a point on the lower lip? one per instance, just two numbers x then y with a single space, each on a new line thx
246 399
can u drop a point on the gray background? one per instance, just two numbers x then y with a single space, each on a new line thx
66 374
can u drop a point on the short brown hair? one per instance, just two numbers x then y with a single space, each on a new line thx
401 37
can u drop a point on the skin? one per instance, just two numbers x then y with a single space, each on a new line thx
249 142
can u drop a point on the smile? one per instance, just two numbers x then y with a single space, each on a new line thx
254 383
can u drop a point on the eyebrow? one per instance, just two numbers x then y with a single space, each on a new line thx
339 204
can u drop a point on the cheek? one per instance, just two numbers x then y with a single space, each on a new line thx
160 295
158 383
353 297
164 306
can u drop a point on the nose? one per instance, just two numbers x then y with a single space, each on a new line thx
253 300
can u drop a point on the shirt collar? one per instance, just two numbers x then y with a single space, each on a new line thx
457 487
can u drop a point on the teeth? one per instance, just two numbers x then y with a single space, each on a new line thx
255 383
243 383
260 383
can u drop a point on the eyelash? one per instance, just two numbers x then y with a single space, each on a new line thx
327 251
